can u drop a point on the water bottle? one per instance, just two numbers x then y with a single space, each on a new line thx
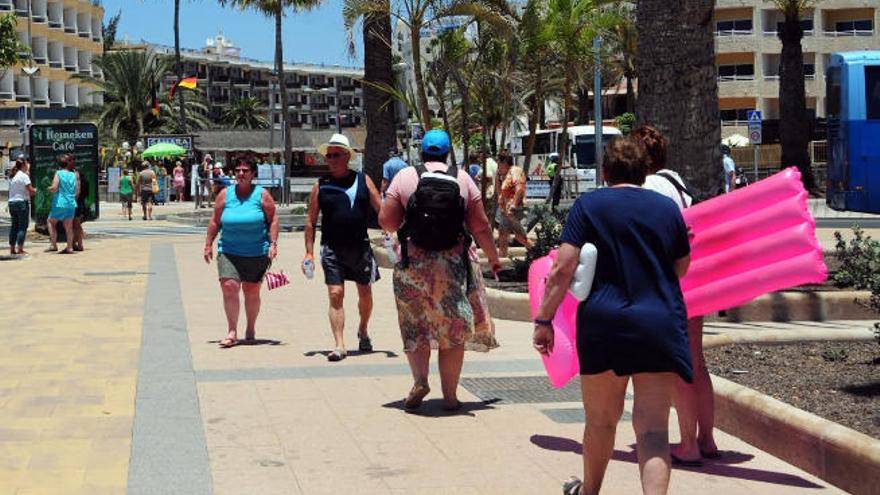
309 268
389 248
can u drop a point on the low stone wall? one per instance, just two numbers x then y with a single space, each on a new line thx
776 306
839 455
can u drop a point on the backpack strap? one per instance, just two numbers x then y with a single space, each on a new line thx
679 187
420 169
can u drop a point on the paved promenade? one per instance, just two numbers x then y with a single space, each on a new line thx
111 381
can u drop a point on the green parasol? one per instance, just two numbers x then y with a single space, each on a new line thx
159 150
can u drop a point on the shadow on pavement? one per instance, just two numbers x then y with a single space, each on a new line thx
244 342
388 354
433 408
716 467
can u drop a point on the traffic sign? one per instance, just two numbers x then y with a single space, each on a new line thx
755 116
755 134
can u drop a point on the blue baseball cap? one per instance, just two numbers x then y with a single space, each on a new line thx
436 142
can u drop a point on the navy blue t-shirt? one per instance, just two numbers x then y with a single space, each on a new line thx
634 319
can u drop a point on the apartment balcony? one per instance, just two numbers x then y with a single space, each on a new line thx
242 83
7 86
21 8
71 95
320 106
39 13
6 5
70 20
55 12
261 84
22 89
56 93
84 24
97 30
41 91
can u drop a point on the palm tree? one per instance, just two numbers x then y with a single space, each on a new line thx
678 86
275 9
246 113
535 37
794 122
623 39
417 15
196 118
129 78
572 25
378 73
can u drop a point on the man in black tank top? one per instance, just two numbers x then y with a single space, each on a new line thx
343 199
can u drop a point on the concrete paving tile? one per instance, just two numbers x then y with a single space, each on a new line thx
58 454
110 477
262 470
50 480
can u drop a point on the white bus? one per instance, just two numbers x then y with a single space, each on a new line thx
581 156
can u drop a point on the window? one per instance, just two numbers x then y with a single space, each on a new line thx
809 71
739 26
872 92
736 72
736 114
806 25
854 26
832 92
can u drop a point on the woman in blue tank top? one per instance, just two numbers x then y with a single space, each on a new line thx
64 189
244 216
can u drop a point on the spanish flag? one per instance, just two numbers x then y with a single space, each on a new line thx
187 82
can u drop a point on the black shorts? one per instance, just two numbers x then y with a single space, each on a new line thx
355 263
147 197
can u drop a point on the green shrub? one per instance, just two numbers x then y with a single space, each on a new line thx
547 231
625 122
859 261
860 267
835 355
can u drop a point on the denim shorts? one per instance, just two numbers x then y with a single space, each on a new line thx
61 213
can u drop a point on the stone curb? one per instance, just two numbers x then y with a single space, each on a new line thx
839 455
776 306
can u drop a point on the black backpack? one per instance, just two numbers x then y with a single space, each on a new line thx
435 212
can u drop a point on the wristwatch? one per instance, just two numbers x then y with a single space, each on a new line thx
539 321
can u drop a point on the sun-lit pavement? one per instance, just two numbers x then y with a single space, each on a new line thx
111 382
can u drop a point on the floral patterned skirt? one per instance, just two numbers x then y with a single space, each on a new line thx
441 303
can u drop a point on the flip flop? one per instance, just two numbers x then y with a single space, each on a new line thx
65 251
678 461
364 344
710 455
572 486
453 407
416 395
227 343
51 249
336 355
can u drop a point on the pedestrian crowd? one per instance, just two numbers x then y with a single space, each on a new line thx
632 326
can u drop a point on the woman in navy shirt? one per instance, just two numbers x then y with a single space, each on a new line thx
634 321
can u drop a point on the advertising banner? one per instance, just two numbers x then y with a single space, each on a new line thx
50 141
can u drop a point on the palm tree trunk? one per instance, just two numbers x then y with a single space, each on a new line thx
178 66
465 113
678 86
562 143
282 82
534 118
378 108
583 117
415 40
630 96
794 123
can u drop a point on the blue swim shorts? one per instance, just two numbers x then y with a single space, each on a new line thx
61 213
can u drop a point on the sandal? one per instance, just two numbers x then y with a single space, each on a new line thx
572 486
336 355
51 249
455 406
364 344
228 342
66 251
250 336
416 395
678 461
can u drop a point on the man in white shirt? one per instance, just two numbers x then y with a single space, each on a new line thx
729 169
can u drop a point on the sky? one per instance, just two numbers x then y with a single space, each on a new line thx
310 37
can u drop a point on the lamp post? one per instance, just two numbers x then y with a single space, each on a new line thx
597 105
30 70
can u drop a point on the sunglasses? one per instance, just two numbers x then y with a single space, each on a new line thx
334 155
242 170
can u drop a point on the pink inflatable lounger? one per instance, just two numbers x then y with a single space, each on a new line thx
746 243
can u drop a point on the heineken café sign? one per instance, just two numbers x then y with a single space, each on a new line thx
48 142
